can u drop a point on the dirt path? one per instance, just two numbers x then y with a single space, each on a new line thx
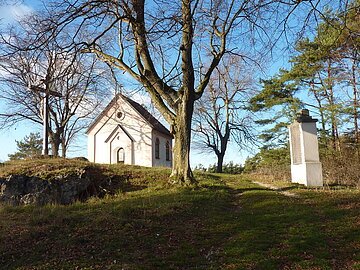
277 189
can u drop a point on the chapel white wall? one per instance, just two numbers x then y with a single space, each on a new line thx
134 124
161 162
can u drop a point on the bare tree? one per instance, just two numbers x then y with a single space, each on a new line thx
163 44
79 78
221 114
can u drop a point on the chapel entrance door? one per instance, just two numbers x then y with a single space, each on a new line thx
120 155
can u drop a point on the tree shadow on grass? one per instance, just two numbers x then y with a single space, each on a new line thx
188 229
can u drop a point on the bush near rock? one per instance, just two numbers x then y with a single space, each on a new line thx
62 189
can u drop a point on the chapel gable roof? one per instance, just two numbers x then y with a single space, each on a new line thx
150 119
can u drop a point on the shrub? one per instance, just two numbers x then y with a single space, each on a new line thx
230 168
274 164
341 167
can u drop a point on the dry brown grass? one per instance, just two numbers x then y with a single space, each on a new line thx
339 169
342 168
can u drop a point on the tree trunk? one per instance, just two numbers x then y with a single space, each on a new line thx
181 171
181 129
333 111
355 102
63 147
220 161
223 146
55 149
55 144
323 134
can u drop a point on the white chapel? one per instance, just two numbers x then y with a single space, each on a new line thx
125 132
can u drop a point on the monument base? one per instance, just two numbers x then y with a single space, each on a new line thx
308 174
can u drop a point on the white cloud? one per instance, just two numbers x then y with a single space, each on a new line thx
10 13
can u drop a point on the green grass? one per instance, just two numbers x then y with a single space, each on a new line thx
226 222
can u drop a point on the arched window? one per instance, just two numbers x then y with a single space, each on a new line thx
157 148
167 150
120 155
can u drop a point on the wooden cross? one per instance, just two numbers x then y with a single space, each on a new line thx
48 92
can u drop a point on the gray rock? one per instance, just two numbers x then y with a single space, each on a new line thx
63 189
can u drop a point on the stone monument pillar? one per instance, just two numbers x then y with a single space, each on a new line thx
304 151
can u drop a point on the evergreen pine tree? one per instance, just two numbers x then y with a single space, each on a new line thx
29 147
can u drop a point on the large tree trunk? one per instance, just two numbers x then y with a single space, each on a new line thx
55 144
63 147
55 149
181 171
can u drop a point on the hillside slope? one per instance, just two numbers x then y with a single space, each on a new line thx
226 222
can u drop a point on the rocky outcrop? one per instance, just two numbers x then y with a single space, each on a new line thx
62 189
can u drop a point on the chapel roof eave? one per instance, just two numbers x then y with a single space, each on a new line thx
148 117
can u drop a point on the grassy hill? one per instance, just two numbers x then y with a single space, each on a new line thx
226 222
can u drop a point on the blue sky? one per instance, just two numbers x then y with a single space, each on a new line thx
9 14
